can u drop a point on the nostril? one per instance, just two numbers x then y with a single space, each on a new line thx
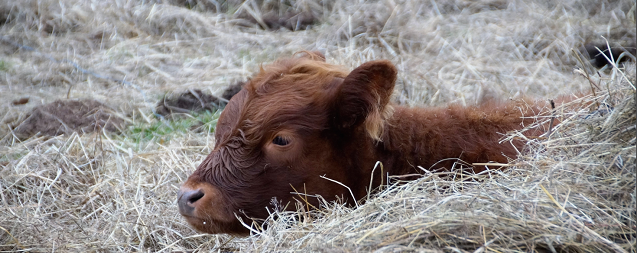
187 199
195 196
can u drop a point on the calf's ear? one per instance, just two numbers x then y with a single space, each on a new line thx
363 97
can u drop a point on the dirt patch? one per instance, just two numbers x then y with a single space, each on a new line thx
196 100
68 116
232 90
273 21
208 6
291 20
188 102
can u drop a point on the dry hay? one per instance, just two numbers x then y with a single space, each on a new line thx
117 192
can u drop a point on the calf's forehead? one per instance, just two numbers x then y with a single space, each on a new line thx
282 93
231 115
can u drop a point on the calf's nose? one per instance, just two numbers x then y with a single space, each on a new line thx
187 199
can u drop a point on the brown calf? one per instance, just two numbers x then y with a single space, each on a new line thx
301 118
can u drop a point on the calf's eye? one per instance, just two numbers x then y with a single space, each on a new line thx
280 141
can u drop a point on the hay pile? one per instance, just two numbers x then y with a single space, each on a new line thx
104 191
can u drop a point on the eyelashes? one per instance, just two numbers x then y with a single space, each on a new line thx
280 141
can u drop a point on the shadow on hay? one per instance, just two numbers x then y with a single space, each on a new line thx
600 54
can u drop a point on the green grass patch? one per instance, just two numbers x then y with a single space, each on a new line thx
5 66
163 130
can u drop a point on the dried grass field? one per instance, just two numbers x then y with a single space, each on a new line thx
114 189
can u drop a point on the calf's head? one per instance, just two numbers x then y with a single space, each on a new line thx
296 120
